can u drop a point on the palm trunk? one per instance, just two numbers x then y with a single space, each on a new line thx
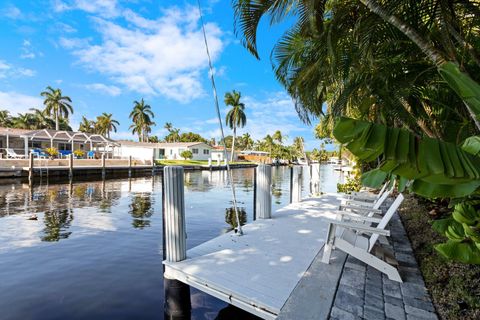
408 31
57 125
233 143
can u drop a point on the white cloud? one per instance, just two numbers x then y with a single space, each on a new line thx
18 103
110 90
156 57
10 71
105 8
66 28
27 52
11 12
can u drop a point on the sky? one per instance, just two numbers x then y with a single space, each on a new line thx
105 54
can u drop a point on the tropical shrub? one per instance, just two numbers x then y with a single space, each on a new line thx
352 185
52 152
186 154
79 153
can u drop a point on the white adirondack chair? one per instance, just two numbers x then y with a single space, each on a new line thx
367 196
351 237
13 155
369 208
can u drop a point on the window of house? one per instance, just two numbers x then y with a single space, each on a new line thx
206 151
195 151
64 146
171 151
36 145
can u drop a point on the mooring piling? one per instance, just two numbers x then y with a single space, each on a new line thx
296 184
129 166
315 179
263 194
30 168
177 294
70 166
103 165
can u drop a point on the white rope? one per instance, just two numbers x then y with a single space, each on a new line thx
230 175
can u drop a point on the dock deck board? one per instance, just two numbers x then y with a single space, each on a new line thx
259 270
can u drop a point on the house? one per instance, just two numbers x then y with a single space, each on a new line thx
219 154
22 141
164 150
255 156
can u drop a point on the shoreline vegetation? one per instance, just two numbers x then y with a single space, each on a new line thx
453 286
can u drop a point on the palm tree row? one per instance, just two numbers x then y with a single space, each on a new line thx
103 125
34 120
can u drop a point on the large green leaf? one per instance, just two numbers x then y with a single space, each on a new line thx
436 168
373 178
466 252
462 84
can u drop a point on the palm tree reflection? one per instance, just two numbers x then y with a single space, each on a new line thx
141 209
232 220
56 224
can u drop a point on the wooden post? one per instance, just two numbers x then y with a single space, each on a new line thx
103 166
70 166
315 179
129 166
264 195
177 294
296 184
30 168
153 164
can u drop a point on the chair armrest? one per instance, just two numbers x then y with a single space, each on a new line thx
358 226
341 207
358 217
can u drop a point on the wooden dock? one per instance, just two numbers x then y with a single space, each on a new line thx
259 271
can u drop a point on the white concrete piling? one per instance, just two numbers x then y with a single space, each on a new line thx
129 166
30 168
263 203
70 166
315 179
177 294
103 165
296 184
174 213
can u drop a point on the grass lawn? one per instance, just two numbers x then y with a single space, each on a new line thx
455 287
193 162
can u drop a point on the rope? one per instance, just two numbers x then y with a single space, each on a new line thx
230 175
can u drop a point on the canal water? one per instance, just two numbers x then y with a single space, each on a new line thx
95 248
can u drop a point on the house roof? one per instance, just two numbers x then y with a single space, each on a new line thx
13 132
47 134
160 144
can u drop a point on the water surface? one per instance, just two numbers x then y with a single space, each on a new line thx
95 250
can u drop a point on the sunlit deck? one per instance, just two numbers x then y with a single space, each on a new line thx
259 271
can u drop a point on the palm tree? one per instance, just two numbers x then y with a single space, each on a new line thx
141 116
278 137
168 126
24 121
236 115
87 126
5 119
105 124
41 120
56 105
247 141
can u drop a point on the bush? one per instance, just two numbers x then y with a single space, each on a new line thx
187 154
352 185
52 152
79 153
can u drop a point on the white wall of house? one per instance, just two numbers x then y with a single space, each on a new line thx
137 152
199 151
218 154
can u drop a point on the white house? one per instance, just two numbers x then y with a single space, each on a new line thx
164 150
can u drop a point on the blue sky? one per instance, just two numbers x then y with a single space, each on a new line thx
105 54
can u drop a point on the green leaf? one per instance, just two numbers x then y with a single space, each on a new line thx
465 252
441 225
472 145
402 183
466 88
373 178
432 190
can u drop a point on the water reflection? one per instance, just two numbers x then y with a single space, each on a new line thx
231 218
57 223
99 243
141 210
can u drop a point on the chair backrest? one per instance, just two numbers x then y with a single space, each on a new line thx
382 190
386 219
11 152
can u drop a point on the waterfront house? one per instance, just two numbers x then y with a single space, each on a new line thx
23 141
163 150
